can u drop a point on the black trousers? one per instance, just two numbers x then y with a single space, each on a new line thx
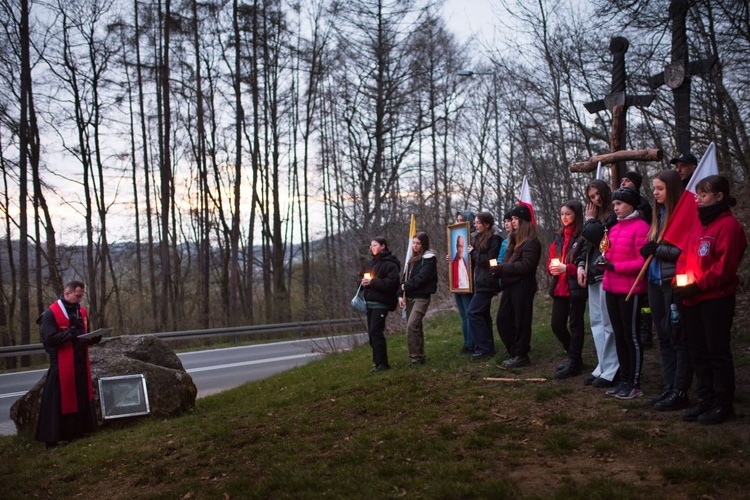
376 332
626 319
515 315
567 324
676 370
708 326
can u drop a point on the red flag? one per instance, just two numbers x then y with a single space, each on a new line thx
525 198
684 217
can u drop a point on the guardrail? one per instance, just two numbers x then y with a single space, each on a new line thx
23 350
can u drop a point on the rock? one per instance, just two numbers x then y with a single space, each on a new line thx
171 390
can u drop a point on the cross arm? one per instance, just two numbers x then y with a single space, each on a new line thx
618 156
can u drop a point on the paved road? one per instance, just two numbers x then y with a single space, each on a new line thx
212 371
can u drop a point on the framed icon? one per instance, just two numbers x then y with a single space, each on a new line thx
460 276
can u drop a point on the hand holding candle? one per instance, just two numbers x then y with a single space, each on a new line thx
554 267
681 280
493 262
366 277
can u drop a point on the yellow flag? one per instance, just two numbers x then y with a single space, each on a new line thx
412 233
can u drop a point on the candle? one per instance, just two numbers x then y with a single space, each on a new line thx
367 276
493 262
555 263
682 279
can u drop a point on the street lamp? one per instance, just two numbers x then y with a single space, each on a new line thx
469 73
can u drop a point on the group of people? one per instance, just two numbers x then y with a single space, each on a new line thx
598 256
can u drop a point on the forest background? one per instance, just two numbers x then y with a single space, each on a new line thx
226 162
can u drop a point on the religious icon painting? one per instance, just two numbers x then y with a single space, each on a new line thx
460 276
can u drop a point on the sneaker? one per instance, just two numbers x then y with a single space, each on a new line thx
562 365
635 392
617 389
516 362
416 362
479 356
380 368
718 414
601 383
589 379
664 394
678 400
695 411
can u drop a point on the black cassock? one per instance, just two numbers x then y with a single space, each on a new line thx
53 426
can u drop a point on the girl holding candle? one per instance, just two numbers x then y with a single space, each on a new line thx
675 361
710 258
380 280
598 218
568 296
518 275
421 282
621 266
486 246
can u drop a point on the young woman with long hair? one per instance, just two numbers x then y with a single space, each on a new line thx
486 246
710 259
518 275
380 280
598 217
568 297
676 372
421 282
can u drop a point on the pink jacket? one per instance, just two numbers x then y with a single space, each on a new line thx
627 237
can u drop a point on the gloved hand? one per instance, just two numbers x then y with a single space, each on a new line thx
605 265
685 292
649 249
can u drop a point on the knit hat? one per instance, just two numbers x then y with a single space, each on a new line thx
627 195
635 178
685 158
522 212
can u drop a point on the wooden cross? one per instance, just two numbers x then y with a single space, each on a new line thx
676 75
617 102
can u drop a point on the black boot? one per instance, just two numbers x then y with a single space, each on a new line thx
675 401
664 394
695 411
571 369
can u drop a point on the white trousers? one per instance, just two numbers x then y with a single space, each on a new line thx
604 336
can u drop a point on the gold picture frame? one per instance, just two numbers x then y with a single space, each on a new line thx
460 275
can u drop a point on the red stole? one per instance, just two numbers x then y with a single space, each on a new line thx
66 365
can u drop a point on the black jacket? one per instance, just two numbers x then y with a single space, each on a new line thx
384 268
575 248
522 263
593 231
484 280
422 278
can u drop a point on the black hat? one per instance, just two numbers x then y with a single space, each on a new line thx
635 178
627 195
522 212
685 158
507 215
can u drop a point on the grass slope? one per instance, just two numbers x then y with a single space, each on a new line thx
331 429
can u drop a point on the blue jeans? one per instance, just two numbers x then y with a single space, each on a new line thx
462 303
480 320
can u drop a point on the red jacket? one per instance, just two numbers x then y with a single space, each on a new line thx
712 257
627 237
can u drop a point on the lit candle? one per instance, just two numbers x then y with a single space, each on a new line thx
493 262
367 276
682 279
555 263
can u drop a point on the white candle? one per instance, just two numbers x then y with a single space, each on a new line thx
555 263
367 276
682 279
493 262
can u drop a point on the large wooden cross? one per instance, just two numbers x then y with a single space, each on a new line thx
617 102
676 75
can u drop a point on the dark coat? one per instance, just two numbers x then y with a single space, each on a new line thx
522 263
593 231
422 280
384 285
484 280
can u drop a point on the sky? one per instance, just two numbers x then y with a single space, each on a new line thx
470 17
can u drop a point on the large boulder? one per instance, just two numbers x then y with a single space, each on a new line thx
171 390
